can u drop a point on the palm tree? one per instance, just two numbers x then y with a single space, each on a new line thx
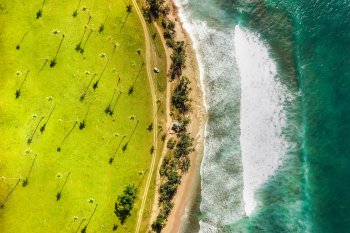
78 47
128 10
98 80
59 194
29 141
18 91
96 83
108 108
111 159
80 225
25 182
42 128
82 124
46 60
19 45
82 97
75 13
132 87
64 139
139 53
88 37
40 12
86 226
9 194
53 61
111 112
102 27
150 127
125 147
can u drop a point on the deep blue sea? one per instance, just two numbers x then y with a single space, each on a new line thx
276 80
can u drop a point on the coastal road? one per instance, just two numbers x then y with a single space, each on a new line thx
154 104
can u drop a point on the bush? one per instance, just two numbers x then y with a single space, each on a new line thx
147 14
171 25
171 144
164 23
180 98
167 191
167 207
168 34
159 223
169 164
156 8
125 203
174 178
178 59
184 145
184 164
170 43
183 122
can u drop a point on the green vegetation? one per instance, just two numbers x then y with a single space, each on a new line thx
178 59
154 9
177 160
63 67
125 203
180 98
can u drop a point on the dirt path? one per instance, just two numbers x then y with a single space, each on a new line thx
168 125
154 104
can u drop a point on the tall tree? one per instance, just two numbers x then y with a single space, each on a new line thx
64 139
18 46
53 61
40 12
128 11
18 91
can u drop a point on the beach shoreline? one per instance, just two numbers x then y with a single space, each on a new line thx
190 184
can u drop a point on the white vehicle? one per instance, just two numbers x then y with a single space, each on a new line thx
156 70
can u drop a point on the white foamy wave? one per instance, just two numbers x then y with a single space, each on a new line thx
221 171
262 115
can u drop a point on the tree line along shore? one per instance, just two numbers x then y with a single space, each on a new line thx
176 161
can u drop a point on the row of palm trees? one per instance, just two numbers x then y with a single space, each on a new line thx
109 110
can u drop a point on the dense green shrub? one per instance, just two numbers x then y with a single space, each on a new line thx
178 59
125 203
184 145
171 25
167 191
154 9
180 98
167 207
168 34
164 23
169 164
174 178
171 143
170 43
159 223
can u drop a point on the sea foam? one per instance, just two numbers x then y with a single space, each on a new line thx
221 169
262 114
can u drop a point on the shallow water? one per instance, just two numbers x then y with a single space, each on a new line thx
275 76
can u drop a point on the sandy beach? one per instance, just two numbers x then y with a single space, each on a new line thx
190 180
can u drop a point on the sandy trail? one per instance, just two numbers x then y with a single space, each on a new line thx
154 106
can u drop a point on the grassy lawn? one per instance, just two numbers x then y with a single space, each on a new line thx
85 153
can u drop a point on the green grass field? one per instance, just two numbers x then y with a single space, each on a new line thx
86 152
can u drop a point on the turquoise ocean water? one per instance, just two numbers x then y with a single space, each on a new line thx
277 89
